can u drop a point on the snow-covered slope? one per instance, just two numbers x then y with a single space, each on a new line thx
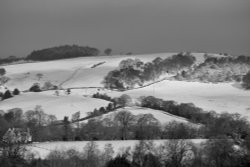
60 106
219 97
75 72
161 116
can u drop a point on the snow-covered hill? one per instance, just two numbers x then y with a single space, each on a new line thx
78 72
221 97
161 116
60 106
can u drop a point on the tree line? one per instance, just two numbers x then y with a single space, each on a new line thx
62 52
215 125
171 153
219 69
55 53
134 72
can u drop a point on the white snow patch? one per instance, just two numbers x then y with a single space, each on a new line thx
42 150
60 106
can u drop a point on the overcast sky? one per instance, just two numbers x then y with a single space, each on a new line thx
138 26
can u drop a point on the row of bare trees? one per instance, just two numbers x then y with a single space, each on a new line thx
169 153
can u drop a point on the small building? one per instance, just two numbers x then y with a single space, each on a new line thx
17 135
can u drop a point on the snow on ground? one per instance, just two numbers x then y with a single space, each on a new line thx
60 106
161 116
219 97
76 72
42 150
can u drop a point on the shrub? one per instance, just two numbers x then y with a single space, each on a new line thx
246 80
48 86
2 71
120 161
16 91
35 88
7 95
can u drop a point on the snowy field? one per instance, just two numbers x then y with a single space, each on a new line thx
60 106
218 97
161 116
42 150
77 72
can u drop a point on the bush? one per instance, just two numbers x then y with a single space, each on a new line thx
7 95
35 88
2 71
16 91
120 161
246 81
48 86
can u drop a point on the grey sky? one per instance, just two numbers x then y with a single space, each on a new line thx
139 26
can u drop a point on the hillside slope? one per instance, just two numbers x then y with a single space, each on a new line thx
75 72
79 72
219 97
60 106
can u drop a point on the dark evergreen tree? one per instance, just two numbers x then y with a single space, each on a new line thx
1 96
2 71
16 91
120 161
35 88
66 128
7 95
102 110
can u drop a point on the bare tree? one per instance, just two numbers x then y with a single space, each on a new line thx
92 154
124 119
108 51
176 153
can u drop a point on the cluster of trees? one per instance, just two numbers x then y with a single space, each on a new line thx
40 124
46 86
9 60
122 101
218 69
186 110
215 125
172 153
123 125
133 72
224 132
115 103
102 110
8 94
62 52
